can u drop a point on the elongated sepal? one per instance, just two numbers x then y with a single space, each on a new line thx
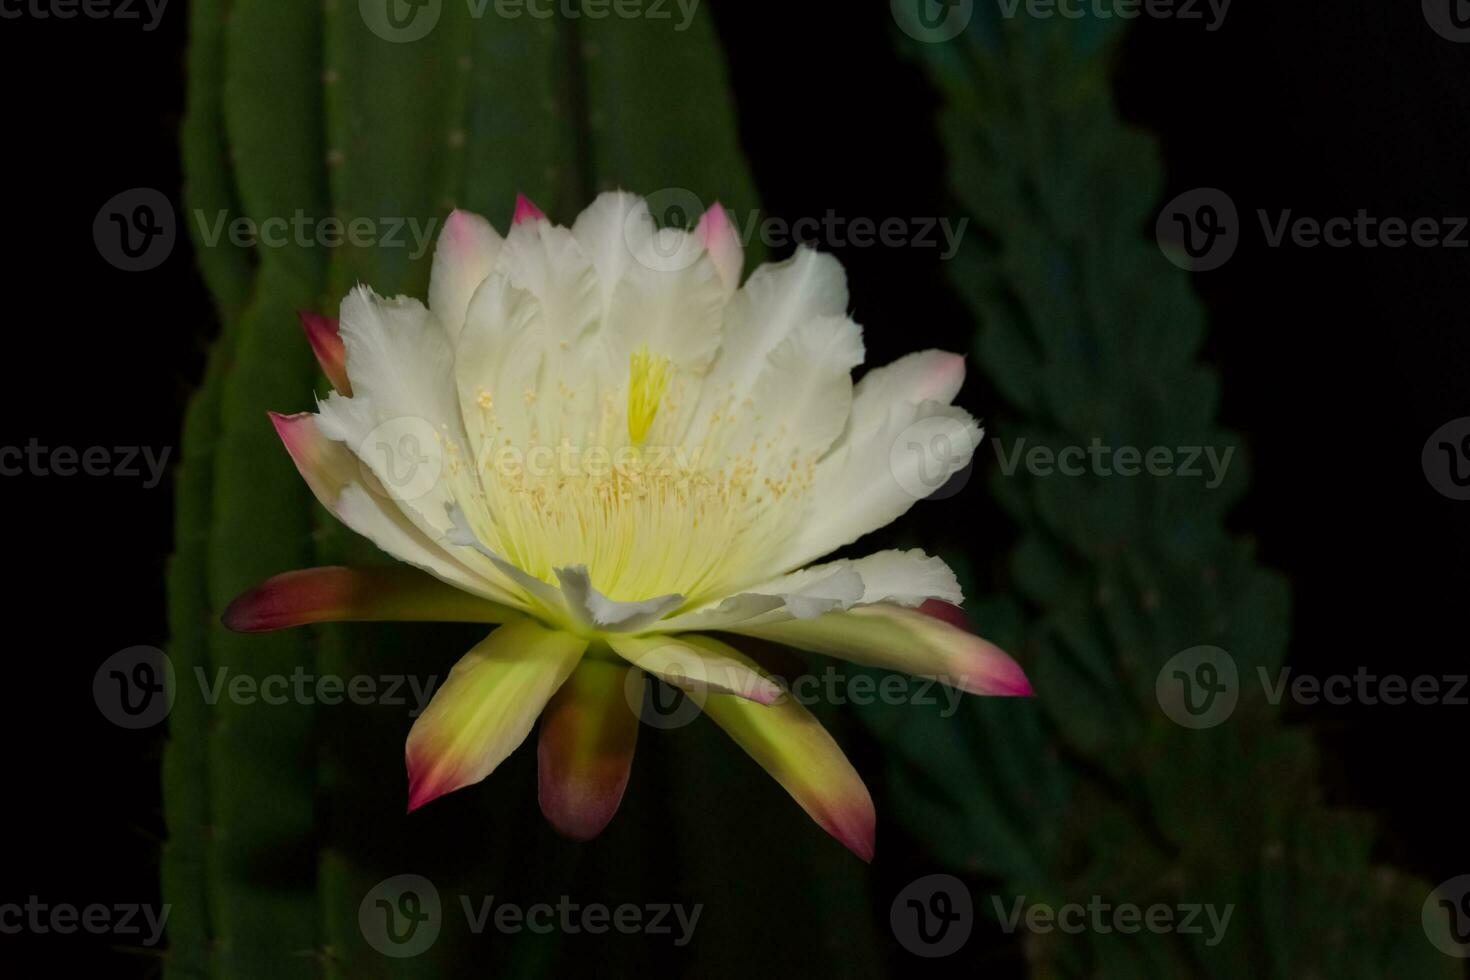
585 752
791 745
335 594
908 640
486 707
326 343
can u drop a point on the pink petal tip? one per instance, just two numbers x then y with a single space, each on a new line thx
325 336
526 211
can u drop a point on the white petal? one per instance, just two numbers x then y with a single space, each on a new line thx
674 310
597 611
467 249
923 376
906 578
804 594
350 492
608 230
869 482
403 419
803 398
778 298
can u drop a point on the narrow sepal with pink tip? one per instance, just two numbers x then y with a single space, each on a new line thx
526 210
793 747
904 639
486 707
585 752
325 337
334 594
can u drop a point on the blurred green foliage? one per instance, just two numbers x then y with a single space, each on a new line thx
1089 333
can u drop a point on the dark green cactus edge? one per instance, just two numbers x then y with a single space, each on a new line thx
282 817
1086 331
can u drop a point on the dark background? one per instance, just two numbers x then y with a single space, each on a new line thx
1337 365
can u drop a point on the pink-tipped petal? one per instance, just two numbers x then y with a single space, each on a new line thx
466 252
717 233
325 337
791 745
526 211
908 640
585 752
346 487
334 594
486 707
